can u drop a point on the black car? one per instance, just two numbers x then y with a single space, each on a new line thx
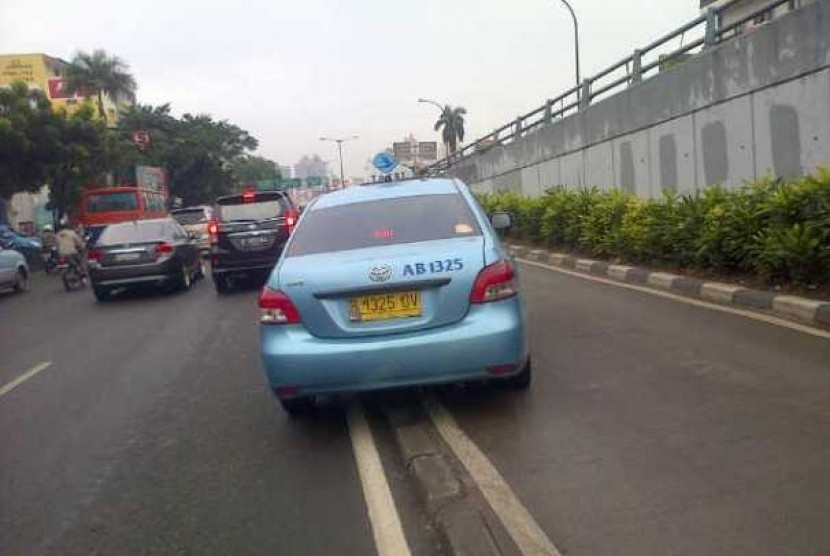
157 252
248 234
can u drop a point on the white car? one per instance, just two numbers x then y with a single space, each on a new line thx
14 272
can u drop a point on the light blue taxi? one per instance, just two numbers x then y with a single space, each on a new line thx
391 285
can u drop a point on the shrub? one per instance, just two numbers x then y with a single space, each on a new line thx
778 230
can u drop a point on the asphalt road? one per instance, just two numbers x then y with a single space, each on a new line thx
653 427
153 433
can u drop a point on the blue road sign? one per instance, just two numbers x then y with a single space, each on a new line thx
385 162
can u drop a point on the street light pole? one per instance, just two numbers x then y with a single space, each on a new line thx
576 39
340 141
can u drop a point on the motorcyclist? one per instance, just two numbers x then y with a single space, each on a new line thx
48 237
50 250
71 247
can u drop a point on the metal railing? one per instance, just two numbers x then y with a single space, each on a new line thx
702 32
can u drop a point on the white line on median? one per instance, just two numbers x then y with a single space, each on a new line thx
769 319
383 516
8 387
521 526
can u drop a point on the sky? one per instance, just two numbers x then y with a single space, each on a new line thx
290 72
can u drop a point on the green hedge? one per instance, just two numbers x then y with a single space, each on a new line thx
776 230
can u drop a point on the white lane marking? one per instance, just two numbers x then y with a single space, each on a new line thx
769 319
9 386
383 516
521 526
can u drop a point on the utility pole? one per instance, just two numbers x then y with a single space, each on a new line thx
340 141
576 41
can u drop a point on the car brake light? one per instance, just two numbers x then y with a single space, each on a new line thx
248 197
277 308
93 256
163 250
495 282
213 231
291 218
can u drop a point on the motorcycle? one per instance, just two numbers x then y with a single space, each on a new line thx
72 275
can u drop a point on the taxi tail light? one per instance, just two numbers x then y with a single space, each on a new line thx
494 283
277 308
291 218
93 256
286 391
499 370
213 231
163 249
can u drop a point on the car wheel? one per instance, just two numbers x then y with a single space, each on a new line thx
222 285
101 294
296 407
185 282
519 381
21 281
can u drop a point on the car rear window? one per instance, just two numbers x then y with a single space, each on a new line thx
384 222
134 232
236 209
187 217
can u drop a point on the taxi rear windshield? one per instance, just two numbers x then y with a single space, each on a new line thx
384 222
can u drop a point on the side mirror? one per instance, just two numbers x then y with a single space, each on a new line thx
501 220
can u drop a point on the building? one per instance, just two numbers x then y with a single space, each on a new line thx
737 11
44 72
311 167
287 171
27 212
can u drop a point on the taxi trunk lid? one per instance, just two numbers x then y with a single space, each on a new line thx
390 289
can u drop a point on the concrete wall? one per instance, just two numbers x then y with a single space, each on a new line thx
756 105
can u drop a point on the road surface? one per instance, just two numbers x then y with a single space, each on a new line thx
653 427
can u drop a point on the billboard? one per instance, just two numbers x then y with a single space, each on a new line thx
152 178
407 151
427 150
29 68
402 150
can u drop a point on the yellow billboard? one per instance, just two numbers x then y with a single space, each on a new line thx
29 68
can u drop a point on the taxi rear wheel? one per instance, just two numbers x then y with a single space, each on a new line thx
519 381
297 407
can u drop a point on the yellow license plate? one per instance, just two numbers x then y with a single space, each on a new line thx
385 306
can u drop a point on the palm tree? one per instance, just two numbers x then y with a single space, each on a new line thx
98 74
452 122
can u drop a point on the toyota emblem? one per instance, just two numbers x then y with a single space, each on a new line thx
380 273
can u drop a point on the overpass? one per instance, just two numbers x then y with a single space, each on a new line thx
733 103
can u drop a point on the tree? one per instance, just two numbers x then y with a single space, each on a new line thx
29 139
199 153
253 168
83 157
99 74
451 124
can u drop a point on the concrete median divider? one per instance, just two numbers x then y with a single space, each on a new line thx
456 513
796 308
